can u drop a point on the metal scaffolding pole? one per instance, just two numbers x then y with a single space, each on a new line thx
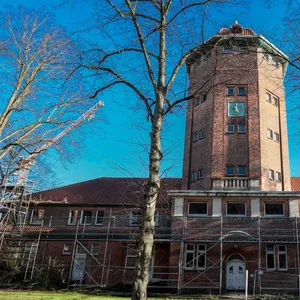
221 255
259 254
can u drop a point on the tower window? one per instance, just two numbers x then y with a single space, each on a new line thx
194 176
202 134
229 170
242 128
278 176
197 101
200 174
242 170
230 91
203 98
230 128
270 134
276 136
195 137
275 101
268 97
242 91
271 174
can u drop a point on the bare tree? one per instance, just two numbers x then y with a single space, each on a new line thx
144 46
37 102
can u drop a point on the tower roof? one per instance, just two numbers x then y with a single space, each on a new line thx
235 29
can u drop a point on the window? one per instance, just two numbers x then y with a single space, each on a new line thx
135 218
202 134
270 134
236 209
195 137
230 128
189 257
37 216
203 98
130 257
282 258
194 176
230 91
242 170
274 209
236 109
242 128
275 101
271 174
276 136
67 249
270 258
201 257
72 217
197 208
268 97
229 170
86 217
197 101
156 218
242 91
95 249
227 50
99 217
278 176
200 174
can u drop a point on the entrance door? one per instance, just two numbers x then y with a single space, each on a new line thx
78 266
235 275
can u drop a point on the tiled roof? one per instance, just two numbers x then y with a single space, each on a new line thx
106 190
295 183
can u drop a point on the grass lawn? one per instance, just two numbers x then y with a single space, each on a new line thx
29 295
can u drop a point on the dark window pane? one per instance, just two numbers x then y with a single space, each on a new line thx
282 261
236 209
242 91
100 217
189 260
198 208
242 170
274 209
201 261
270 261
229 170
230 91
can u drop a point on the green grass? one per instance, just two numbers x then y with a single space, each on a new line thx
53 296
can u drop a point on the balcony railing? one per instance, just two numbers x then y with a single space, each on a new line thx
240 183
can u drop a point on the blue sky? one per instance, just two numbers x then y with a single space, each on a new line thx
115 150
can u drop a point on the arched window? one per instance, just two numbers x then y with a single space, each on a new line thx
235 257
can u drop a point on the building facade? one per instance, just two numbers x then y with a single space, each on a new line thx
234 212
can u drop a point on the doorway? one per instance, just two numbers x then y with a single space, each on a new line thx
235 273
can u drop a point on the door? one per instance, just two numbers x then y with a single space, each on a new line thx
78 267
235 275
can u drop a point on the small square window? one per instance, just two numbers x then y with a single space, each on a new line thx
229 170
197 101
202 134
230 128
230 91
195 136
242 128
203 98
200 174
270 134
276 136
268 97
242 170
194 176
275 101
274 209
271 174
278 176
197 208
242 91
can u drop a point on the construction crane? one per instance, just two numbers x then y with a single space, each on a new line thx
13 193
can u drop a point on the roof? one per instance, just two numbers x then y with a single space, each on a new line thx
295 183
106 190
236 29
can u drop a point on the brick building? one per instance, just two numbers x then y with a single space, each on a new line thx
235 208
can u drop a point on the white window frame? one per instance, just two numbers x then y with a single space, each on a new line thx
270 134
202 134
37 220
70 217
271 174
198 214
275 100
239 131
96 219
274 257
276 137
233 215
228 126
268 97
130 255
227 89
67 252
200 171
185 257
137 216
286 257
268 215
93 246
83 219
278 177
193 176
229 174
199 252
